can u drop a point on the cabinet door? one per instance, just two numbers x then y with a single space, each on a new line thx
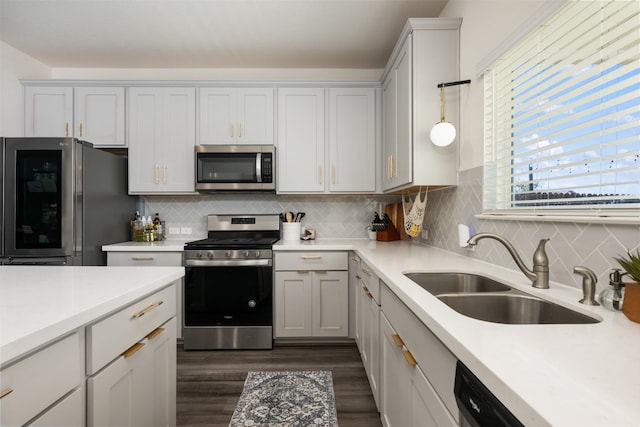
48 111
395 378
99 115
354 290
426 407
161 140
293 304
352 144
162 389
397 120
178 140
301 140
145 136
217 116
371 344
255 116
330 300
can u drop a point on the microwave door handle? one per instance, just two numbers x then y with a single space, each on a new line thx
258 167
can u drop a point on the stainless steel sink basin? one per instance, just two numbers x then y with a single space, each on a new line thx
514 309
447 283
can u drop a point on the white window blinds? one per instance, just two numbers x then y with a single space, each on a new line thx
562 115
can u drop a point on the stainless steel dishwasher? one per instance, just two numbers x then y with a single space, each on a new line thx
477 405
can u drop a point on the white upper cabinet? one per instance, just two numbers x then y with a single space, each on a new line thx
326 140
48 111
301 140
99 115
236 116
426 54
352 148
94 114
161 140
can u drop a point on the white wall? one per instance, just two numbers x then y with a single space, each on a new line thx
15 65
485 26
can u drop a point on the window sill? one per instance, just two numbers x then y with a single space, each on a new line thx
632 220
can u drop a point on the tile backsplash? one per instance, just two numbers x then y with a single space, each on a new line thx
330 216
591 245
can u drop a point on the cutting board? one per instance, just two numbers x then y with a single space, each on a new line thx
394 211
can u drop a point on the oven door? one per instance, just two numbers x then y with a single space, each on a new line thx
228 307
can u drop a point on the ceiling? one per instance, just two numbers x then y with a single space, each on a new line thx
209 33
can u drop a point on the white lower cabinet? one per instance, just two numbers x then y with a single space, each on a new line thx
134 384
311 294
30 387
417 371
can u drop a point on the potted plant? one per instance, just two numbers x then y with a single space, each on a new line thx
631 302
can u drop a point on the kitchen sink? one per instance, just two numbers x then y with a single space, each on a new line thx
513 309
447 283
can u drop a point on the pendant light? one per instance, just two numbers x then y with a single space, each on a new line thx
443 133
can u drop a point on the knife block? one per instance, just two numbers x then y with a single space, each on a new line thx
388 235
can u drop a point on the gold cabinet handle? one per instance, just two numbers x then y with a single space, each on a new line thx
307 257
358 277
231 130
409 357
157 174
366 291
80 129
333 174
6 392
319 174
133 349
164 174
154 333
66 128
396 339
146 310
239 130
365 271
142 258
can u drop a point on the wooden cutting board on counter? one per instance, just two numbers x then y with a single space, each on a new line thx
394 211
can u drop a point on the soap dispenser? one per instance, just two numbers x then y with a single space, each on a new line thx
611 298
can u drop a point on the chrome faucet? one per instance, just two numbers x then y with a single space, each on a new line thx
539 276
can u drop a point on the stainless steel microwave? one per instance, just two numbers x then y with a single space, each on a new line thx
235 167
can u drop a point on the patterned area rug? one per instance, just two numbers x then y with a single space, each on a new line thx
286 399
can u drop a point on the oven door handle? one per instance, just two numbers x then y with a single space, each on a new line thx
228 263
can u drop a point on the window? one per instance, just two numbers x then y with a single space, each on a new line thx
562 115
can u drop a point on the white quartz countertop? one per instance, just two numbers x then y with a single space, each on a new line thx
39 304
561 375
160 246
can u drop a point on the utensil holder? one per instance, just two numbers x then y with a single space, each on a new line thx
291 231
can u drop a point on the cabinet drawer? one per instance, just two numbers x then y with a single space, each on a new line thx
433 357
40 380
306 261
68 413
144 259
370 280
111 336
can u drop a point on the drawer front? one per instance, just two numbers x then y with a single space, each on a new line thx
69 412
39 380
307 261
435 360
111 336
144 259
370 280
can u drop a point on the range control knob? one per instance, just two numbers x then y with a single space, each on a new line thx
227 254
252 303
210 254
199 254
245 254
257 254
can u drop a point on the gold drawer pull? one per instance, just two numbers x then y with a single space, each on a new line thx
358 277
397 340
155 333
409 357
311 257
142 258
146 310
365 271
133 349
5 392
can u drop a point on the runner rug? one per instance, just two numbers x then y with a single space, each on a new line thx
289 398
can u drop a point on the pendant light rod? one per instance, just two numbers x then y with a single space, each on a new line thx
461 82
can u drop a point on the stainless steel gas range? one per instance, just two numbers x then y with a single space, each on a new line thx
228 291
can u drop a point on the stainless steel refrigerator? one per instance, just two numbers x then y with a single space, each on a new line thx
62 200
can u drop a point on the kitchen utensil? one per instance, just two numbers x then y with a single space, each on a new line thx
289 216
299 216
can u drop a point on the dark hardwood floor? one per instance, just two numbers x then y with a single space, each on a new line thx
210 382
